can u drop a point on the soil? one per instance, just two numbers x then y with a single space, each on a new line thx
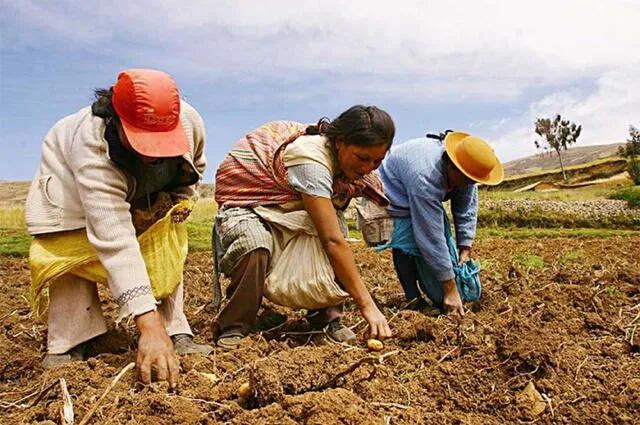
554 340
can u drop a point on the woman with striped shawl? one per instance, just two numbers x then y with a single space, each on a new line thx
286 172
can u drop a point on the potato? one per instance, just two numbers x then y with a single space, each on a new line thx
244 390
375 345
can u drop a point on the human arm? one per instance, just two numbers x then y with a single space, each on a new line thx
324 218
103 192
464 254
464 208
428 225
155 350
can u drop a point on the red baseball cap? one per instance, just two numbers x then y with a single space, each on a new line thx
148 105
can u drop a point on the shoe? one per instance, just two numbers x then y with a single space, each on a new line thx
421 304
337 331
426 307
52 361
184 344
229 340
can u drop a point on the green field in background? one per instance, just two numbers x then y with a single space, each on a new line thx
14 239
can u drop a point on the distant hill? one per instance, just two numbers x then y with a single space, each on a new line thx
15 192
574 156
207 190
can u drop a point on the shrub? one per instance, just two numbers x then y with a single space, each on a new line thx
631 195
633 168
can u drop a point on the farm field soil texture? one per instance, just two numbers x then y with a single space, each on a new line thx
554 340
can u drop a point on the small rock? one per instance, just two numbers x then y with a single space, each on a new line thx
531 400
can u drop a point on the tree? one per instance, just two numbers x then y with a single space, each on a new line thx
558 135
632 151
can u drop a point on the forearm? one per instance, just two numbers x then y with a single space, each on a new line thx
110 231
148 321
428 227
103 189
449 286
341 259
464 207
117 248
323 215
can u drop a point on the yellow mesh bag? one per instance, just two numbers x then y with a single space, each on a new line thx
164 247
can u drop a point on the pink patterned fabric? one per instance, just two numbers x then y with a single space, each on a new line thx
253 173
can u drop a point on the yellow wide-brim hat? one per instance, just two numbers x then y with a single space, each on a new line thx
474 157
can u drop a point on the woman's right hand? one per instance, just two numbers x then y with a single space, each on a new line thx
323 215
452 302
378 326
155 351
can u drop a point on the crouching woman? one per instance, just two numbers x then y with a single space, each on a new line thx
136 141
279 231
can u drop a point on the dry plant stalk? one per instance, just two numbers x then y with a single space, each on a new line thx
372 360
66 412
113 383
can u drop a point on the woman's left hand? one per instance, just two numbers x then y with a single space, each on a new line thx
464 255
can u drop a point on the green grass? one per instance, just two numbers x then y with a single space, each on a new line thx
12 217
488 264
528 261
571 256
200 223
613 291
535 233
204 211
199 236
14 242
629 194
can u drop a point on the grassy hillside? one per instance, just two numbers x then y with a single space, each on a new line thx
599 169
572 157
12 192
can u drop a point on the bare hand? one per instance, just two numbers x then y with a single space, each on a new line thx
378 326
464 255
155 351
452 301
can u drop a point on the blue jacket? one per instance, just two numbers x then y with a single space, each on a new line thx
415 181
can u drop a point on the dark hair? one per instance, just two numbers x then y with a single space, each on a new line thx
103 107
358 125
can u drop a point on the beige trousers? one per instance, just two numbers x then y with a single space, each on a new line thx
75 315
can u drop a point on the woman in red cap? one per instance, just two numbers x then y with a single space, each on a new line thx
136 140
278 232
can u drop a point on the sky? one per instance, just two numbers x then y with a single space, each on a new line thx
489 68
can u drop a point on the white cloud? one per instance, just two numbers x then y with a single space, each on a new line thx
605 114
522 41
412 51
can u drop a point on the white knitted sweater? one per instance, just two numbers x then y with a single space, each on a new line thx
78 186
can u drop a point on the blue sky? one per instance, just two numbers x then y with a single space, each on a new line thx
489 68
